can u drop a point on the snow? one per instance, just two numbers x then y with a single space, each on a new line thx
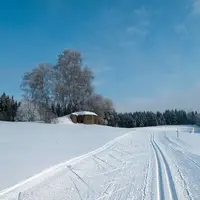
29 148
63 120
102 162
84 113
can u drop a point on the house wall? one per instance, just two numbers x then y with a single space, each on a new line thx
86 119
80 119
74 118
89 119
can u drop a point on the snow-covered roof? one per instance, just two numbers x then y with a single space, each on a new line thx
84 113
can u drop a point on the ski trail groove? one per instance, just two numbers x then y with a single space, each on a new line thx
179 172
191 160
161 161
184 182
170 184
160 192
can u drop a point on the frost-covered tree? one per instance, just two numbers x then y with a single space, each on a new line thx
37 85
73 80
160 118
101 106
69 82
28 112
191 117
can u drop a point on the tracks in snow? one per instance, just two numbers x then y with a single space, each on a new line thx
118 171
164 183
122 170
183 153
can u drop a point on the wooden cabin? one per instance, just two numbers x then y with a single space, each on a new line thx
85 117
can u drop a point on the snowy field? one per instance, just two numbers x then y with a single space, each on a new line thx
122 164
28 148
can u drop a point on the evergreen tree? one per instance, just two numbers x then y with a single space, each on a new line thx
14 110
191 118
65 111
169 117
58 110
151 117
53 109
8 108
173 117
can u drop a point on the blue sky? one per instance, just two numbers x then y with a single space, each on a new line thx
145 53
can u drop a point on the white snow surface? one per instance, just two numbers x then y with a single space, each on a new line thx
63 120
144 163
28 148
84 113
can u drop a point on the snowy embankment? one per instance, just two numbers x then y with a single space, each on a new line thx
146 163
63 120
28 148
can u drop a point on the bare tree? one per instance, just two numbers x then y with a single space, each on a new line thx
100 105
37 85
74 81
46 113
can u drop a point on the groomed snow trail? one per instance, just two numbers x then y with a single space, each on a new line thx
164 181
144 164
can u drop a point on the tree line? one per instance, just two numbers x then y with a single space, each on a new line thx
144 119
8 108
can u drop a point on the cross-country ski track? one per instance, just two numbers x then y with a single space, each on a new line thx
142 164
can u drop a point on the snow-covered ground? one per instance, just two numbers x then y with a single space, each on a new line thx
63 120
28 148
145 163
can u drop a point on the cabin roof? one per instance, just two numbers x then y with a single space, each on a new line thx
84 113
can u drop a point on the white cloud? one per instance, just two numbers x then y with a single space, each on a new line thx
133 35
141 12
143 16
187 100
181 30
139 28
137 31
196 7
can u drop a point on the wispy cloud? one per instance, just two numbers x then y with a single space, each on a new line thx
142 15
141 12
181 30
139 28
136 31
196 7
